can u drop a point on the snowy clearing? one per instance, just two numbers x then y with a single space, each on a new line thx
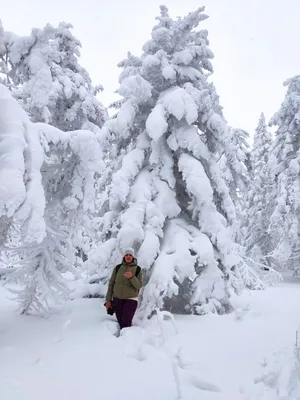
75 355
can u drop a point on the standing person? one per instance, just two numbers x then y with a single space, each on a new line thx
123 289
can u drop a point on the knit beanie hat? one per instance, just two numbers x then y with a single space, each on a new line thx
129 251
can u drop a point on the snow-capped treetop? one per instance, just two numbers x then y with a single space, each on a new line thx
261 146
77 95
52 86
289 110
67 46
287 120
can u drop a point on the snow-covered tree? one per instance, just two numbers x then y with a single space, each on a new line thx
43 72
284 164
51 84
260 239
3 55
167 197
5 66
262 143
237 179
48 180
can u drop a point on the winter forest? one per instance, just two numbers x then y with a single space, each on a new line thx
210 212
160 171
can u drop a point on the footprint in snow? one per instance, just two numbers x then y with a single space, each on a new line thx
133 339
137 353
241 312
112 326
60 337
202 385
155 339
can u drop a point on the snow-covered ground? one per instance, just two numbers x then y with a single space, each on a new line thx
245 355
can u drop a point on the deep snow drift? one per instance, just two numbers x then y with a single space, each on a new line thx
245 355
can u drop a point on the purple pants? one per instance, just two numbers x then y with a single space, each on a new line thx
125 310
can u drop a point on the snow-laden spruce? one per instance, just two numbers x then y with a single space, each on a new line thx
45 76
47 180
167 197
237 179
260 240
284 163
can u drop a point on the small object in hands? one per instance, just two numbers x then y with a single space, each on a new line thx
109 308
110 311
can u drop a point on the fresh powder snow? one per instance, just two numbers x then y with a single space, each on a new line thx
246 355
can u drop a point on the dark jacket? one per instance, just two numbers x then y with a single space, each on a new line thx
121 287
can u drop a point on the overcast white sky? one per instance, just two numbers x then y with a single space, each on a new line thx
255 42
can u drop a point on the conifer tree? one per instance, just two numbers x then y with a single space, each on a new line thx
260 240
167 197
48 180
237 180
285 166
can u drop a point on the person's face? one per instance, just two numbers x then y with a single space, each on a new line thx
128 258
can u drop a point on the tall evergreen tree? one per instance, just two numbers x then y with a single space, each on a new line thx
285 165
48 180
260 239
43 73
167 198
237 179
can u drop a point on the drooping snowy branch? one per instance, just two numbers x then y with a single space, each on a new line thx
12 146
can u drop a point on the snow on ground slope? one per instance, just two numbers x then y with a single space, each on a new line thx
75 355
